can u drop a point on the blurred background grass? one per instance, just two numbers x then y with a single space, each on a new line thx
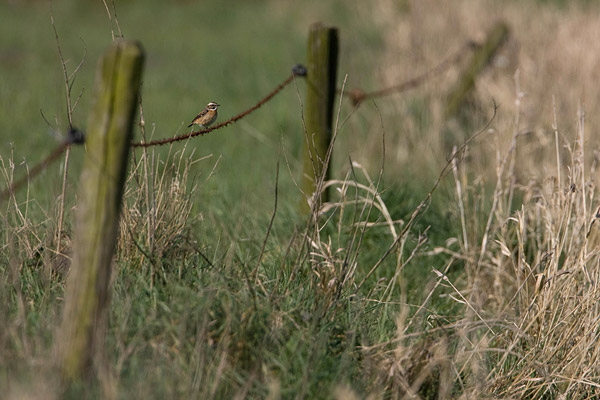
234 53
197 52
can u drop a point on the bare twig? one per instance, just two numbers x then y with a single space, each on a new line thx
425 202
262 250
69 81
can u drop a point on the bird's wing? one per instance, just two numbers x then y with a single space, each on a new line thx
203 112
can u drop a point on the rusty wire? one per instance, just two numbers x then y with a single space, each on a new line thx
77 137
74 137
298 70
357 96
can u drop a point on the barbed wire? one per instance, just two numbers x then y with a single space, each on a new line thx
297 70
357 96
74 136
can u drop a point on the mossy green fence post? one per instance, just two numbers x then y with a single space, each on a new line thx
109 134
481 58
322 62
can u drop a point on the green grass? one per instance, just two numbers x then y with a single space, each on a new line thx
168 312
203 312
230 55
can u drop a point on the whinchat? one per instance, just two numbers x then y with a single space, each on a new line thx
206 116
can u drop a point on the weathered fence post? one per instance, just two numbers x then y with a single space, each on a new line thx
321 83
108 140
481 58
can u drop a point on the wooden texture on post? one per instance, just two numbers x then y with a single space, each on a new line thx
321 83
480 59
108 140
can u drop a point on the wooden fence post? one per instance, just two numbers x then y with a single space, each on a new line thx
481 58
108 140
321 84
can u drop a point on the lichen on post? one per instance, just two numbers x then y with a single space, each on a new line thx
109 134
322 62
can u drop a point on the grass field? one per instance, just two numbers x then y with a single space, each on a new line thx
486 289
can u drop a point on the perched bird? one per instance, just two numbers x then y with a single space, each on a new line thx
206 116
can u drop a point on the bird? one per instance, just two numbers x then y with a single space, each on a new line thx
206 116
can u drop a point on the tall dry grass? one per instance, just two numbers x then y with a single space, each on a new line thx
527 317
510 311
554 49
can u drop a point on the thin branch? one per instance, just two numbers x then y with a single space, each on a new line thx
64 68
425 202
262 250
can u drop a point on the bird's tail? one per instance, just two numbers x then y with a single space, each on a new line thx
190 124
